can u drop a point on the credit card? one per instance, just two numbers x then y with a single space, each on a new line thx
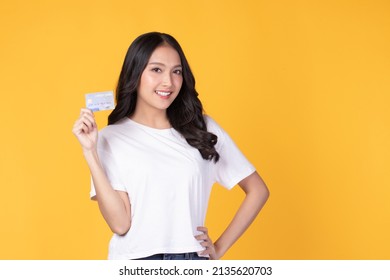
100 101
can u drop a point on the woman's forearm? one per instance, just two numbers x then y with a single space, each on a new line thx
114 208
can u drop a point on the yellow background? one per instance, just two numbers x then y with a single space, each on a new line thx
301 86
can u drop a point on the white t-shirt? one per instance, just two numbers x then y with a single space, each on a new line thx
168 184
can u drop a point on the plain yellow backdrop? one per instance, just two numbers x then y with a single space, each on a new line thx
301 86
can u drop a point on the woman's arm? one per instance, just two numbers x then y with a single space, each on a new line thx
114 205
256 194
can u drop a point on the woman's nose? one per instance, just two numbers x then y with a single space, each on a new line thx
167 79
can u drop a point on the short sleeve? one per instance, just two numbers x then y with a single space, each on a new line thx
110 167
232 166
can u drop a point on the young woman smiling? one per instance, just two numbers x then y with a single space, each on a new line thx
155 163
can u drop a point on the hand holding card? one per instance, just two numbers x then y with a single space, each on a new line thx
85 130
100 101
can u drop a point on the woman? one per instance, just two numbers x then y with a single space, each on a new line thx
153 166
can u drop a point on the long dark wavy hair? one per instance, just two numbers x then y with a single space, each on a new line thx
185 114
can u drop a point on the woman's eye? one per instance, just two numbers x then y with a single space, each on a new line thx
158 70
178 72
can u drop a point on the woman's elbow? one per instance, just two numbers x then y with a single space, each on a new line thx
266 194
262 193
259 187
121 229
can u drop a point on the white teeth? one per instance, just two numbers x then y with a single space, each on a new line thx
163 93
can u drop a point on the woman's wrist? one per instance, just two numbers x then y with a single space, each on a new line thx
218 252
90 155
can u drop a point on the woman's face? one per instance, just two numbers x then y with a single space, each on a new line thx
161 80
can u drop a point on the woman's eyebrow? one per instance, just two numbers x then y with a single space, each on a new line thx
162 64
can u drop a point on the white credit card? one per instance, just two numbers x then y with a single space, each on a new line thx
100 101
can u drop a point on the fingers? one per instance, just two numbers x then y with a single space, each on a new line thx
88 115
205 241
202 229
209 248
205 244
85 123
201 237
86 111
204 235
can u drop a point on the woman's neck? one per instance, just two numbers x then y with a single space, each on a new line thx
157 120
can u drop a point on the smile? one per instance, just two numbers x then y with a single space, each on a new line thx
163 93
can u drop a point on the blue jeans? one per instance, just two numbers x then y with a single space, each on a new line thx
181 256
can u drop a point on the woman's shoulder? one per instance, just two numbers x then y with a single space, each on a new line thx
110 137
113 128
216 129
113 131
213 126
211 123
